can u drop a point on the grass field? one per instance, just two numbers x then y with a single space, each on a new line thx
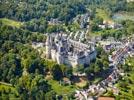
11 22
123 16
103 14
61 90
82 83
7 88
8 92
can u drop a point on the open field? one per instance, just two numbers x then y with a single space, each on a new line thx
11 22
81 83
7 87
9 91
123 16
61 90
103 14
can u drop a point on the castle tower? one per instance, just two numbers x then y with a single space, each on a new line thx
48 47
87 58
76 60
59 58
60 53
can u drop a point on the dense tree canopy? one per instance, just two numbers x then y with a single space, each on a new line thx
19 61
28 9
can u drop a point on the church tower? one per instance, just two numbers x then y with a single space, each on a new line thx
48 47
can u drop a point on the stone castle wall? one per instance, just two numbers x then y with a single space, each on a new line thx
81 55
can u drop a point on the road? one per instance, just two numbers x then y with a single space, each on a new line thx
5 83
100 88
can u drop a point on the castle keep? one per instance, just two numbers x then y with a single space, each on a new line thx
64 50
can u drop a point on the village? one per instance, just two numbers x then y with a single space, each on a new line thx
116 58
121 50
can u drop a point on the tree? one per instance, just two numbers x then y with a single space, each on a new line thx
90 69
50 95
94 27
105 65
57 72
99 51
80 68
130 29
31 86
97 69
69 71
98 20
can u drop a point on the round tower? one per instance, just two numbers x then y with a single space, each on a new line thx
76 60
59 58
48 47
60 54
87 57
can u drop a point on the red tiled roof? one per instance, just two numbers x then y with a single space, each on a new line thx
105 98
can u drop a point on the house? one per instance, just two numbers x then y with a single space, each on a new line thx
106 98
66 81
54 21
130 1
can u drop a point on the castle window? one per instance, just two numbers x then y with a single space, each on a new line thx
61 49
71 48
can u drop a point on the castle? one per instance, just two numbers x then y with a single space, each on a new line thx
64 50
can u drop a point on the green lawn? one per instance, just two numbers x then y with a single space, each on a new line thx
103 14
7 88
123 16
8 92
11 22
61 90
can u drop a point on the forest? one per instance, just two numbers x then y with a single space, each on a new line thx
23 68
36 14
25 10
